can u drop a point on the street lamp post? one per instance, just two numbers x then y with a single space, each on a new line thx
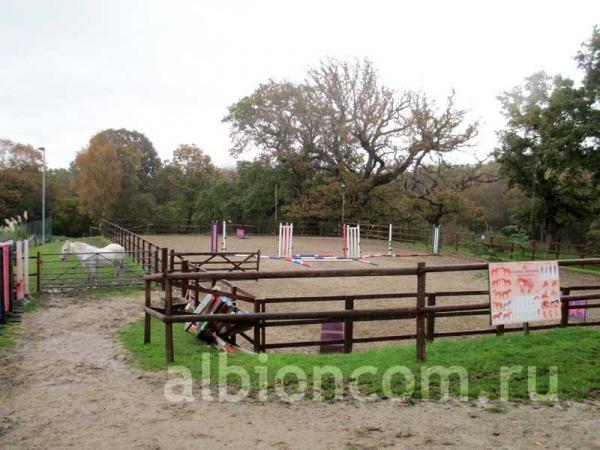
43 150
275 204
343 201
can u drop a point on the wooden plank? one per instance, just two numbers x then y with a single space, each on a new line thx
348 327
421 286
147 316
431 299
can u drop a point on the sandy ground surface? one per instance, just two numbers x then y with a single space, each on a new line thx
66 385
436 282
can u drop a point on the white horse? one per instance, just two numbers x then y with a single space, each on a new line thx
93 258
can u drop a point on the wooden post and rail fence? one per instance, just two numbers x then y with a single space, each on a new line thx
527 249
425 310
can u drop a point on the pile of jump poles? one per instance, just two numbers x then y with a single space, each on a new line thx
14 276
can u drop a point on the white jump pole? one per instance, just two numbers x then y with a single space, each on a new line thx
390 241
291 239
279 248
435 245
224 245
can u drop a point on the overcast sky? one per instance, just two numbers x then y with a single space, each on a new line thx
169 69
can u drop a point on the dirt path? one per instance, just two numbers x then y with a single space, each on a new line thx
66 385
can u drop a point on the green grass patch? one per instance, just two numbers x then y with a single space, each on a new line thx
575 352
7 334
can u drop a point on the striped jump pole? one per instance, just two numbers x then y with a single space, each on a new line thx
224 246
390 253
286 240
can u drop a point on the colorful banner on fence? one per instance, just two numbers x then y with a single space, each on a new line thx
524 292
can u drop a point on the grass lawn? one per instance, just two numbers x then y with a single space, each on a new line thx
574 351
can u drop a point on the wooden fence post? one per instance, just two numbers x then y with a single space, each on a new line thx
147 317
263 328
164 260
164 267
348 326
234 302
257 327
564 306
38 281
172 261
145 258
420 319
184 269
168 324
431 300
196 290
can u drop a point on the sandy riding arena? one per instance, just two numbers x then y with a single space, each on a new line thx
436 282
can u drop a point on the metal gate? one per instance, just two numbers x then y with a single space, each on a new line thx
93 270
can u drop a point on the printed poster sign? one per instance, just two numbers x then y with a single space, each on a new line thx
524 292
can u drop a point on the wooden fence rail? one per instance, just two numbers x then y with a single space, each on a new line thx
137 246
529 249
